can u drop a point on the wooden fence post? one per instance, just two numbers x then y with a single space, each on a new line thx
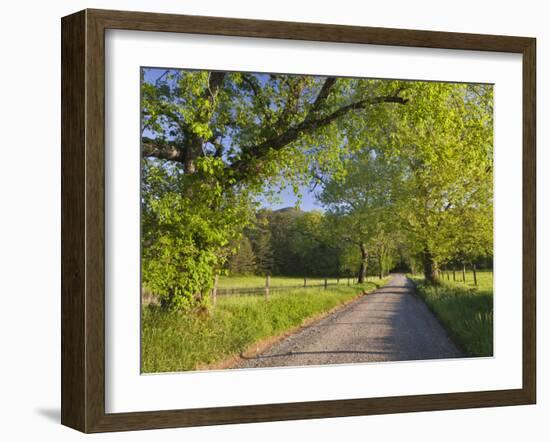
305 282
215 290
454 276
475 275
267 277
348 281
337 281
326 283
448 276
464 273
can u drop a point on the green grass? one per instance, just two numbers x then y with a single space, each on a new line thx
173 341
464 309
233 282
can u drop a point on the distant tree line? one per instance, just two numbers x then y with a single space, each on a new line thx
293 242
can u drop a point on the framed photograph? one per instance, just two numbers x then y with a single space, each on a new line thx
267 221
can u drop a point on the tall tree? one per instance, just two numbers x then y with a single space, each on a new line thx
445 145
312 242
425 175
362 204
260 237
234 134
243 262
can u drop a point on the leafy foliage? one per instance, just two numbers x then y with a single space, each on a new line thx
187 227
243 262
404 171
424 180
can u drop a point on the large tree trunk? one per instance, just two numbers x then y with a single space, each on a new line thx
430 267
361 278
192 152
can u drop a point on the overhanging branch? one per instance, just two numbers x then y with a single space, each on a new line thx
308 125
165 150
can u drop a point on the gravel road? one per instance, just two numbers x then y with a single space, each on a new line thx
391 324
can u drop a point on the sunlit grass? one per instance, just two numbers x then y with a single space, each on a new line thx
232 282
175 341
466 310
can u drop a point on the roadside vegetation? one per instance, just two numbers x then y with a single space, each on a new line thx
466 310
175 341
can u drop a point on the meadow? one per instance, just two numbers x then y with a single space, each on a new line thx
236 282
466 310
176 341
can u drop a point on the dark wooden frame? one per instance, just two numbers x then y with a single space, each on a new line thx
83 216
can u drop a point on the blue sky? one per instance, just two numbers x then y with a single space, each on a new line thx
152 74
286 197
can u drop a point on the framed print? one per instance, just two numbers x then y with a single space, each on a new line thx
267 221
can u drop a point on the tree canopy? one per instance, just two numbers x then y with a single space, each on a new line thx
398 166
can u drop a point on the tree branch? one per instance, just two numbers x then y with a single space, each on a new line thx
193 147
166 150
251 83
172 151
214 83
321 97
309 124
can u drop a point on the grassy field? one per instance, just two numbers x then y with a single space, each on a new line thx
233 282
173 341
464 309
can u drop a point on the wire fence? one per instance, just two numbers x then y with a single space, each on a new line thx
281 288
268 288
459 274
